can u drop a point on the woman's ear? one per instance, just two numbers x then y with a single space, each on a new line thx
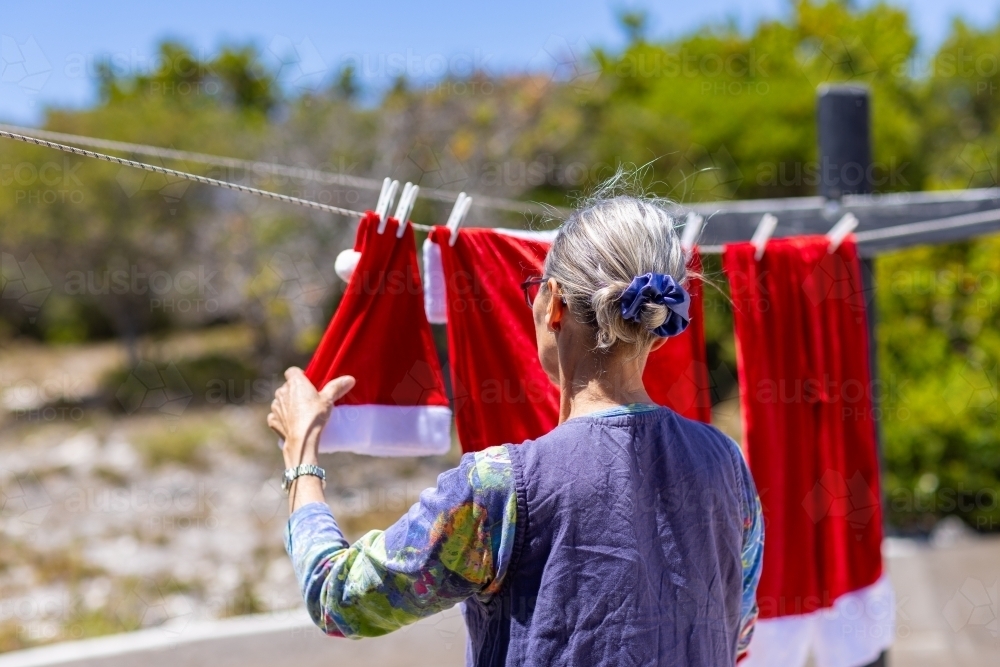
555 310
658 343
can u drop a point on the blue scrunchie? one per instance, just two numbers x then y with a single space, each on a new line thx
662 289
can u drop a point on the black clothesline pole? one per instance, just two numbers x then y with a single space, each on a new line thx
844 128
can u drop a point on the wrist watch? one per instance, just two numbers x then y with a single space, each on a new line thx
293 474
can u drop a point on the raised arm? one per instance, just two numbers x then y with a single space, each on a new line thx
454 543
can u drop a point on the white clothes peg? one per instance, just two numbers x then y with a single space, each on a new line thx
839 231
405 208
381 195
458 214
454 210
765 228
383 212
399 207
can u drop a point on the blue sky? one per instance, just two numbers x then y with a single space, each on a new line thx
49 48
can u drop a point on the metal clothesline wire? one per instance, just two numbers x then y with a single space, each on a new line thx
270 168
896 231
907 229
183 175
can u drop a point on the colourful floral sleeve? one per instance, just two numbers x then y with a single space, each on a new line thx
454 543
752 555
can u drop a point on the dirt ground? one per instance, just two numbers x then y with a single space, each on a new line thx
112 522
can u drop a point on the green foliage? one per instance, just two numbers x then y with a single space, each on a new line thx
212 378
939 347
236 77
727 115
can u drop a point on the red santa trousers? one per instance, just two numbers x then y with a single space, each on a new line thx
380 335
501 393
809 436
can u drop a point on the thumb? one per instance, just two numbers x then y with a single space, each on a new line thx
336 388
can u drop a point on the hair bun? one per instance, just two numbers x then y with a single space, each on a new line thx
657 289
601 249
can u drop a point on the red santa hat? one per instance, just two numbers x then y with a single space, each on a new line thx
380 335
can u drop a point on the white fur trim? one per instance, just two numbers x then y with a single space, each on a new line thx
543 236
853 632
388 430
435 300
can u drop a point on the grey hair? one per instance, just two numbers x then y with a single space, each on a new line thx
603 245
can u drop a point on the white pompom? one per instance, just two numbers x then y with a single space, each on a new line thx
345 264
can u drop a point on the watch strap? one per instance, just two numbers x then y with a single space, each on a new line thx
292 474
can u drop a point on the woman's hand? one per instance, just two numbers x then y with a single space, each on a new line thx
299 412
